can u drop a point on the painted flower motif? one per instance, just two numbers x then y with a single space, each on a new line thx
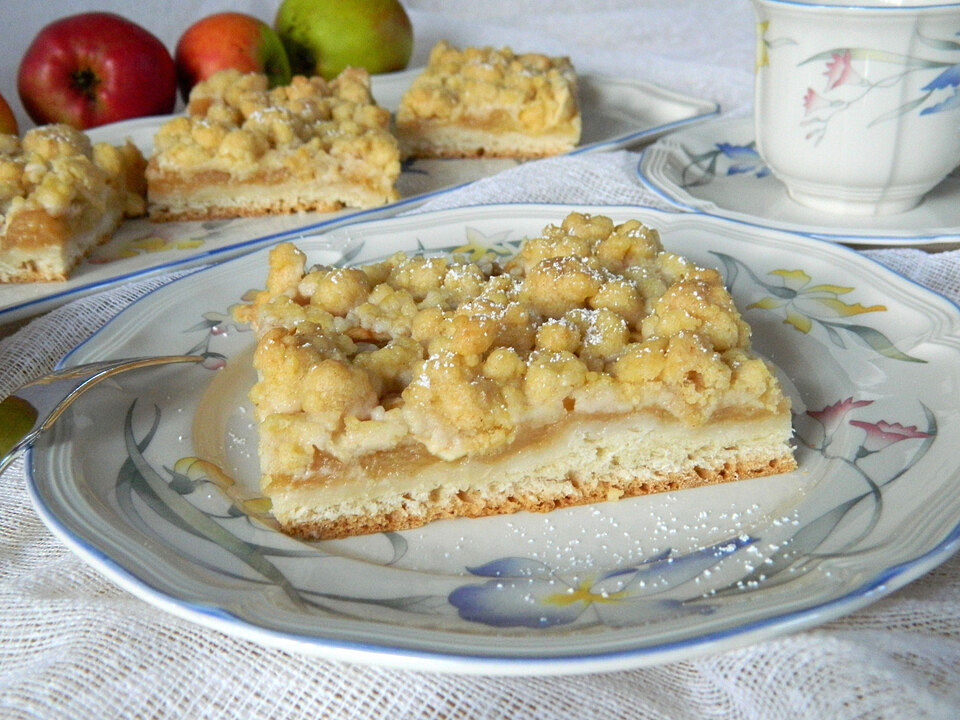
943 91
762 58
478 244
840 71
882 434
523 592
949 78
832 416
802 300
744 159
216 324
814 101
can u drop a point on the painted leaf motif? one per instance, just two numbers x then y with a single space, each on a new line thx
512 567
878 56
399 545
834 336
202 524
803 542
940 43
731 265
901 110
876 340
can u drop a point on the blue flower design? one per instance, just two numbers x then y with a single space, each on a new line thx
524 592
745 159
948 78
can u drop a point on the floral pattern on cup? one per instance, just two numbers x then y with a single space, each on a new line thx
846 83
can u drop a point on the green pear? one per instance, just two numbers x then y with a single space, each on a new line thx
322 37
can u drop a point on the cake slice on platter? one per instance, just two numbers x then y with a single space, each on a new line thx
243 149
486 102
61 196
593 365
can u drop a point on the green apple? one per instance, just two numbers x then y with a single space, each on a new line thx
322 37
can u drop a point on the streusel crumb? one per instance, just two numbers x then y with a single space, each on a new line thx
459 356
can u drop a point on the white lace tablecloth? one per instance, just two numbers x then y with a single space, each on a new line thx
74 645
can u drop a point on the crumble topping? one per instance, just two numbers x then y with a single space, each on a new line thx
459 356
55 169
236 124
493 87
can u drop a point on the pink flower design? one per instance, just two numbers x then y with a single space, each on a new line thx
813 101
831 417
883 434
213 361
839 71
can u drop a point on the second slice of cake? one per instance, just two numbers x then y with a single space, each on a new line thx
491 103
243 149
592 366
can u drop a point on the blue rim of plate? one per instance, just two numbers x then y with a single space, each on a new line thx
331 223
878 8
882 583
891 240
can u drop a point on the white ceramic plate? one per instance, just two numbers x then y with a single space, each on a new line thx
715 169
875 502
617 112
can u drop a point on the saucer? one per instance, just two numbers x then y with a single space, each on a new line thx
714 169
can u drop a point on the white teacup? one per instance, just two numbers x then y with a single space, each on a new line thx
857 107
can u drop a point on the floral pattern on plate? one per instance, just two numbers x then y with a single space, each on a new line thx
156 483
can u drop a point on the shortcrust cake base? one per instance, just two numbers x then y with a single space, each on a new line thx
425 139
586 461
53 260
214 201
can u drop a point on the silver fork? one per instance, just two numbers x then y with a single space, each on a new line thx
33 408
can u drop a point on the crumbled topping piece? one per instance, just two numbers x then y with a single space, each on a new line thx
589 317
531 91
236 124
55 169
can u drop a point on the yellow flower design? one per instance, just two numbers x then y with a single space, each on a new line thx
763 59
199 470
478 245
801 300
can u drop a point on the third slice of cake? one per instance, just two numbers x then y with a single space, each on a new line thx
490 102
592 366
244 149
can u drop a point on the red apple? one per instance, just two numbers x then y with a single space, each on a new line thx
96 68
230 40
8 123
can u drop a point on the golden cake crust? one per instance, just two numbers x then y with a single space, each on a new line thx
322 145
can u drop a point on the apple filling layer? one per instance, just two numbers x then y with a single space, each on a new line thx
487 102
60 196
243 149
593 365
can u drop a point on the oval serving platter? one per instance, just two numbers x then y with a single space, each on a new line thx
154 478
